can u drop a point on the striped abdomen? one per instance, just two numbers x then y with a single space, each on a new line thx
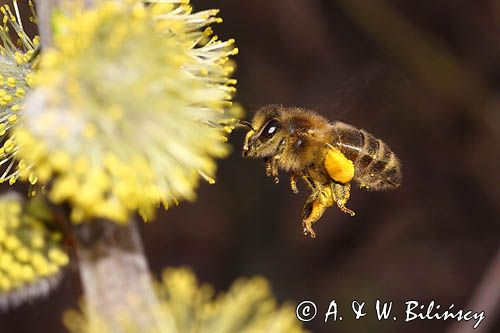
376 167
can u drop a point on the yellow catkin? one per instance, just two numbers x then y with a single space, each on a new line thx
28 249
17 50
249 305
113 150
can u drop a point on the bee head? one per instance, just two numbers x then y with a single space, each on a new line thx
266 134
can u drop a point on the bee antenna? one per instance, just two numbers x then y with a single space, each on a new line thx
246 124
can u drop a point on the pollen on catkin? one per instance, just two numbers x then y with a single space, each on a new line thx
129 108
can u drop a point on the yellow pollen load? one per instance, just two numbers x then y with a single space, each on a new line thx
339 167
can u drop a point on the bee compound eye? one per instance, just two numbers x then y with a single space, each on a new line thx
270 129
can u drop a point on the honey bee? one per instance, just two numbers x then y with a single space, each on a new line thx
328 156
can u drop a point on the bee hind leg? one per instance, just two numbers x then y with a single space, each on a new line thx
341 193
314 208
312 212
309 183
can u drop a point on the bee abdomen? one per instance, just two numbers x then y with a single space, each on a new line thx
376 166
348 139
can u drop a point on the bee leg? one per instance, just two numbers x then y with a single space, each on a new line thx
268 166
275 159
293 183
312 211
274 169
271 165
315 206
339 167
309 183
341 193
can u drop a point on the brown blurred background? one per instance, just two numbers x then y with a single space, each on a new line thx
424 76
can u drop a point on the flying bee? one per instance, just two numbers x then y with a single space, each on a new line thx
327 156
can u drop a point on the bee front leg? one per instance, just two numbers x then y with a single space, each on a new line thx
271 165
275 159
274 169
341 193
293 183
267 163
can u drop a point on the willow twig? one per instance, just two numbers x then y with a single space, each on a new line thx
485 298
